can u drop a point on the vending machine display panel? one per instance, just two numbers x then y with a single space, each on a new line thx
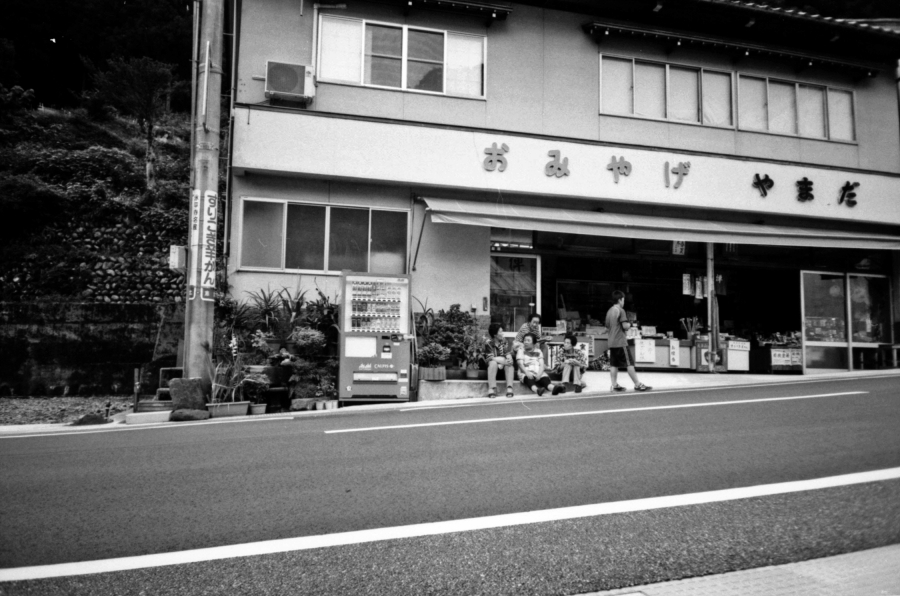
376 343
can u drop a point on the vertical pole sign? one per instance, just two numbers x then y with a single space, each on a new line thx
196 221
208 250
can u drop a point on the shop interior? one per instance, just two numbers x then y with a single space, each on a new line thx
758 290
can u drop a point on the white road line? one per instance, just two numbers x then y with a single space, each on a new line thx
592 413
147 426
436 528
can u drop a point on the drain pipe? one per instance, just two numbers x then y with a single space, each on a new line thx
711 326
895 331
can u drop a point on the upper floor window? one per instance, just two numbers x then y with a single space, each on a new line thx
795 109
306 237
401 57
665 92
630 87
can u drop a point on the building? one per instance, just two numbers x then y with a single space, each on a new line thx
539 155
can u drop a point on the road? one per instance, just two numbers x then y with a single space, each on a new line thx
105 495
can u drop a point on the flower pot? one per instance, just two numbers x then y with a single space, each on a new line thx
257 408
472 373
229 408
276 375
321 405
456 374
433 374
331 404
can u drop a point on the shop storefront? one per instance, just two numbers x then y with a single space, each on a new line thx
745 200
789 319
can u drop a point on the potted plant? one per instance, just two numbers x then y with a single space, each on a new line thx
449 330
429 358
226 376
253 388
473 349
263 313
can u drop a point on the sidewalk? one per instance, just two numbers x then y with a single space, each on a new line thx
597 385
874 572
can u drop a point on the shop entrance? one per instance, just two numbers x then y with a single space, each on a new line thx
515 289
829 301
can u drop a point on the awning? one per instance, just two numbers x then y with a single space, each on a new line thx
567 221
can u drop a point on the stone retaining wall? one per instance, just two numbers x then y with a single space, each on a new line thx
57 348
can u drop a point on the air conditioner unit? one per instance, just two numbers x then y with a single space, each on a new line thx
292 82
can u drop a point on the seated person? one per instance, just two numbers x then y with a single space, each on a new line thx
497 354
532 326
531 368
572 363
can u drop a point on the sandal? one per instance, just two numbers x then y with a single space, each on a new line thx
642 387
509 392
540 391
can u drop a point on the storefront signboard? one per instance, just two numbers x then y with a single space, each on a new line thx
781 357
686 285
674 352
308 143
645 350
796 357
743 346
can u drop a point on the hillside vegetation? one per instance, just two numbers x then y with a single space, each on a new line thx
78 220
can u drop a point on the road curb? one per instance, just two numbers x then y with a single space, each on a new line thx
720 382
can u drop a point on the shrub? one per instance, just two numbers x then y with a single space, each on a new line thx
27 206
450 328
16 99
60 166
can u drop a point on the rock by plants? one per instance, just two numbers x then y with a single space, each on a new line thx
187 394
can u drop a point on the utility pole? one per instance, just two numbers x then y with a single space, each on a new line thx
203 224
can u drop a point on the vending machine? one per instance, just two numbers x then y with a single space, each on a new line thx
376 341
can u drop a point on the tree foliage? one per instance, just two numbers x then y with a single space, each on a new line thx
138 87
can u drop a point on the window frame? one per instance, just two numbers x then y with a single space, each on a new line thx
826 108
700 70
404 53
326 254
735 77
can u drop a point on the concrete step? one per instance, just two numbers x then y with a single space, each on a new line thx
441 390
147 417
154 406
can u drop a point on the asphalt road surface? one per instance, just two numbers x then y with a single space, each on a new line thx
116 494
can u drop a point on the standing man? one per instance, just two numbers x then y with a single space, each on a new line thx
620 355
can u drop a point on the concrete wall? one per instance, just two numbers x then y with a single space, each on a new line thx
543 78
453 265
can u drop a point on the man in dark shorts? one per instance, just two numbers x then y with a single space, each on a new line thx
620 355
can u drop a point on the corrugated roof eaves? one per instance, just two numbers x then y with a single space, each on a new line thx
795 13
